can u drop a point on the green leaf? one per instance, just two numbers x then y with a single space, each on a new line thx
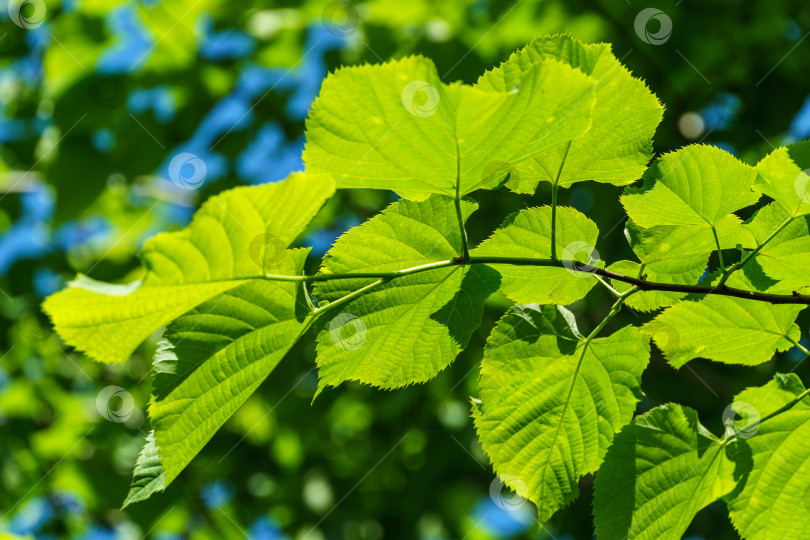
660 471
783 175
148 476
397 126
773 504
552 403
785 257
642 300
528 234
409 329
696 185
214 357
752 277
678 254
724 329
619 144
237 235
107 322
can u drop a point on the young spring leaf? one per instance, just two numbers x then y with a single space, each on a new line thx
148 476
408 330
724 329
551 403
619 144
677 254
643 300
397 126
210 360
660 471
528 234
237 235
773 502
784 176
696 185
786 256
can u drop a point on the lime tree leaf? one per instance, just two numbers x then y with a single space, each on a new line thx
619 144
642 300
148 476
678 254
660 471
236 235
550 404
213 358
397 126
724 329
108 321
773 502
668 253
528 234
783 175
409 329
696 185
752 277
785 257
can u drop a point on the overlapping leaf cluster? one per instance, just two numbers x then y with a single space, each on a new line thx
397 298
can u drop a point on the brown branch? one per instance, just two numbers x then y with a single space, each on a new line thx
644 285
641 283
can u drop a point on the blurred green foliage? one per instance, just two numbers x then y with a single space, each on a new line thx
96 100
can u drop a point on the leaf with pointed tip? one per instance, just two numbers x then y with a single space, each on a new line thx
527 234
410 329
724 329
660 471
148 477
785 257
220 249
397 126
107 322
784 176
618 146
551 404
696 185
773 502
214 357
